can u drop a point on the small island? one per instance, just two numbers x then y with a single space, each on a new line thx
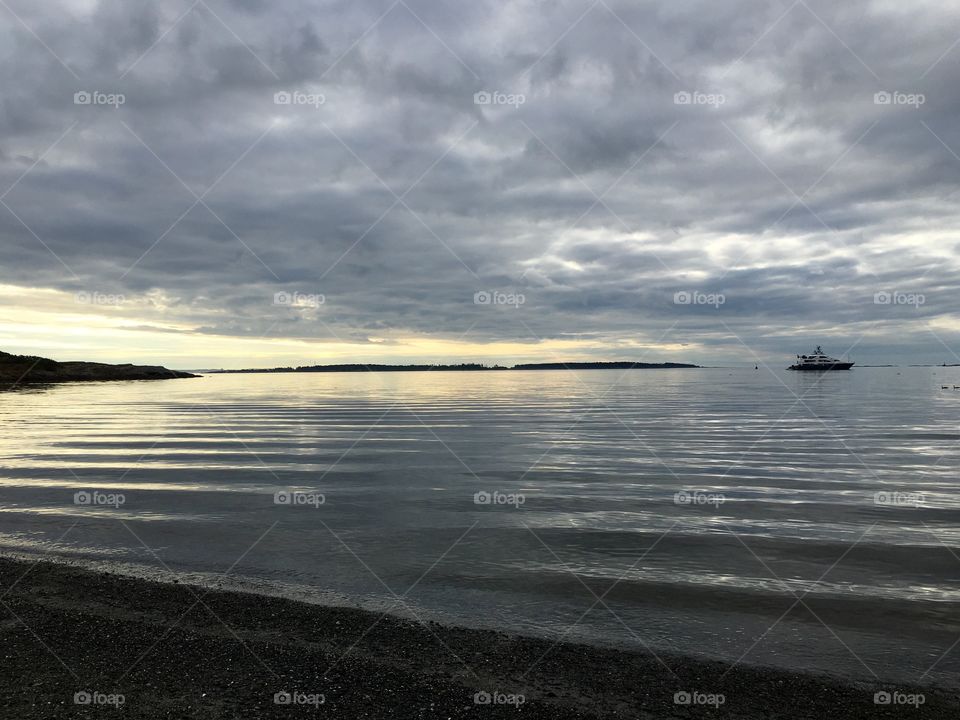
19 369
616 365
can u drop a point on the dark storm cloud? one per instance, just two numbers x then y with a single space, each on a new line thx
783 186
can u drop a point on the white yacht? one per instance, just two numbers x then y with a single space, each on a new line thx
819 360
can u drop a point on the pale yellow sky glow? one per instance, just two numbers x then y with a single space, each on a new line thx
65 326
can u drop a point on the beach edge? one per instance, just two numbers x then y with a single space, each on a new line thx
177 650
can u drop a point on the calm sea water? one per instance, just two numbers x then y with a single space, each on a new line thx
683 510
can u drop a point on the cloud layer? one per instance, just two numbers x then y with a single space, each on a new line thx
685 179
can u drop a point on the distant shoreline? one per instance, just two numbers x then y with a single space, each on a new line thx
464 367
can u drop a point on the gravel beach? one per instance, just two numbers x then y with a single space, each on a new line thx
78 643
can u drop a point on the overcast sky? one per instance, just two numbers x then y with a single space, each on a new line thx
237 183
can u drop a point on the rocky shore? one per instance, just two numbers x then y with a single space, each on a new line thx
78 643
21 369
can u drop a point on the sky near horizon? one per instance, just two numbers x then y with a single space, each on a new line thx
240 183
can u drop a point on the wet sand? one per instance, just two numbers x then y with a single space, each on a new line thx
70 636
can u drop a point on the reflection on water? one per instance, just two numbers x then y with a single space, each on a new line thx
703 502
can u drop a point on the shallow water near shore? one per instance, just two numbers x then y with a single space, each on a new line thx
799 520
